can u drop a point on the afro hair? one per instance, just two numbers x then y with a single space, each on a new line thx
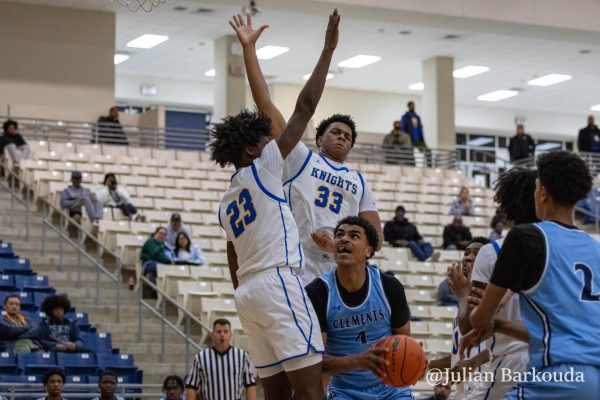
236 133
56 301
370 231
344 119
565 176
514 195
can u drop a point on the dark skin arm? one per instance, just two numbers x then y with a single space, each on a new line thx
233 264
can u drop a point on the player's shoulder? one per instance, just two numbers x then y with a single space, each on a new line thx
389 281
317 287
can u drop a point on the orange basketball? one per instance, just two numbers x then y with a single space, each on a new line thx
407 360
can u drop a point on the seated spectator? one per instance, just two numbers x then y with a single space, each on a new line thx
15 329
54 381
393 144
75 197
187 252
462 204
173 388
114 196
401 233
13 143
173 229
497 230
55 332
107 385
155 251
456 235
110 130
441 391
446 296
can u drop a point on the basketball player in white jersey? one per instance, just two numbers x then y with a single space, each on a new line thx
319 188
263 248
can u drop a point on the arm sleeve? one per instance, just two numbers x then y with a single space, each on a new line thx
123 194
387 232
394 291
197 255
193 379
249 379
521 260
484 264
417 236
447 237
75 336
65 200
318 292
367 202
295 160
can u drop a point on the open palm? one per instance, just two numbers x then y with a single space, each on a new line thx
245 33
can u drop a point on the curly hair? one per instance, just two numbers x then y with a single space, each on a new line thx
344 119
370 231
479 239
55 301
565 175
235 133
8 123
175 379
53 371
514 195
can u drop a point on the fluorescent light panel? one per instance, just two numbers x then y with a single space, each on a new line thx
119 58
469 71
147 41
329 76
547 80
497 95
359 61
480 141
595 108
548 146
268 52
210 72
417 86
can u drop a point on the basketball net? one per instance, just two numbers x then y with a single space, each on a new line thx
146 5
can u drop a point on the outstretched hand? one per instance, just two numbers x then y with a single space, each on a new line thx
245 33
324 239
333 34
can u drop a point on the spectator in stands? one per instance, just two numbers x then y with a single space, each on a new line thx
75 197
446 296
155 251
401 233
441 391
589 137
114 196
497 229
456 235
13 143
56 332
109 129
521 146
15 328
393 144
173 388
411 124
187 252
173 229
54 381
222 363
462 204
107 385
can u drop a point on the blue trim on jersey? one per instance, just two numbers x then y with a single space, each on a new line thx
235 173
284 235
219 216
496 246
300 253
291 309
362 182
545 325
260 185
521 393
306 309
331 165
487 393
493 342
289 196
301 168
288 359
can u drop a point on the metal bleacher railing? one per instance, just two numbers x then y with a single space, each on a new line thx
127 391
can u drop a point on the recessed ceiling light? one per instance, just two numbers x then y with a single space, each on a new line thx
405 32
547 80
451 36
359 61
469 71
210 72
119 58
329 76
417 86
595 108
497 95
179 8
147 41
585 51
548 146
268 52
480 141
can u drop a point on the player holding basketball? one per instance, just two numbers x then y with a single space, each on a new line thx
554 267
357 306
319 188
263 248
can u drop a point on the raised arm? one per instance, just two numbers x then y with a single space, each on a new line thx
248 36
311 92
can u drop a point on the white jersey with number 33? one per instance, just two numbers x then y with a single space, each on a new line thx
257 218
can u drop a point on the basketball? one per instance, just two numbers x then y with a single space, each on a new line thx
407 361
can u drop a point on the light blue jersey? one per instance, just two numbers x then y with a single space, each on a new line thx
352 330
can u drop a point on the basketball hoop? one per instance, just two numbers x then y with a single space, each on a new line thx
146 5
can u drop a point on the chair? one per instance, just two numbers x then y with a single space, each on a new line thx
37 283
6 250
77 363
81 319
190 295
38 298
27 302
7 363
36 363
98 342
7 282
121 364
15 266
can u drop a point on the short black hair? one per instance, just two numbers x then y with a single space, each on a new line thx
53 371
221 321
173 378
235 133
55 301
370 231
342 118
409 103
400 208
565 175
11 296
479 239
110 175
514 195
105 372
158 228
8 123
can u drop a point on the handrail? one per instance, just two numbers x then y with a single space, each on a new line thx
13 179
595 216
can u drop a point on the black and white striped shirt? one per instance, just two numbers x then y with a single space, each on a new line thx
221 376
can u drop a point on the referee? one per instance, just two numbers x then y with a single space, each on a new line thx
221 372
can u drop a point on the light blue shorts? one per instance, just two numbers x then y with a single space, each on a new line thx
378 392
